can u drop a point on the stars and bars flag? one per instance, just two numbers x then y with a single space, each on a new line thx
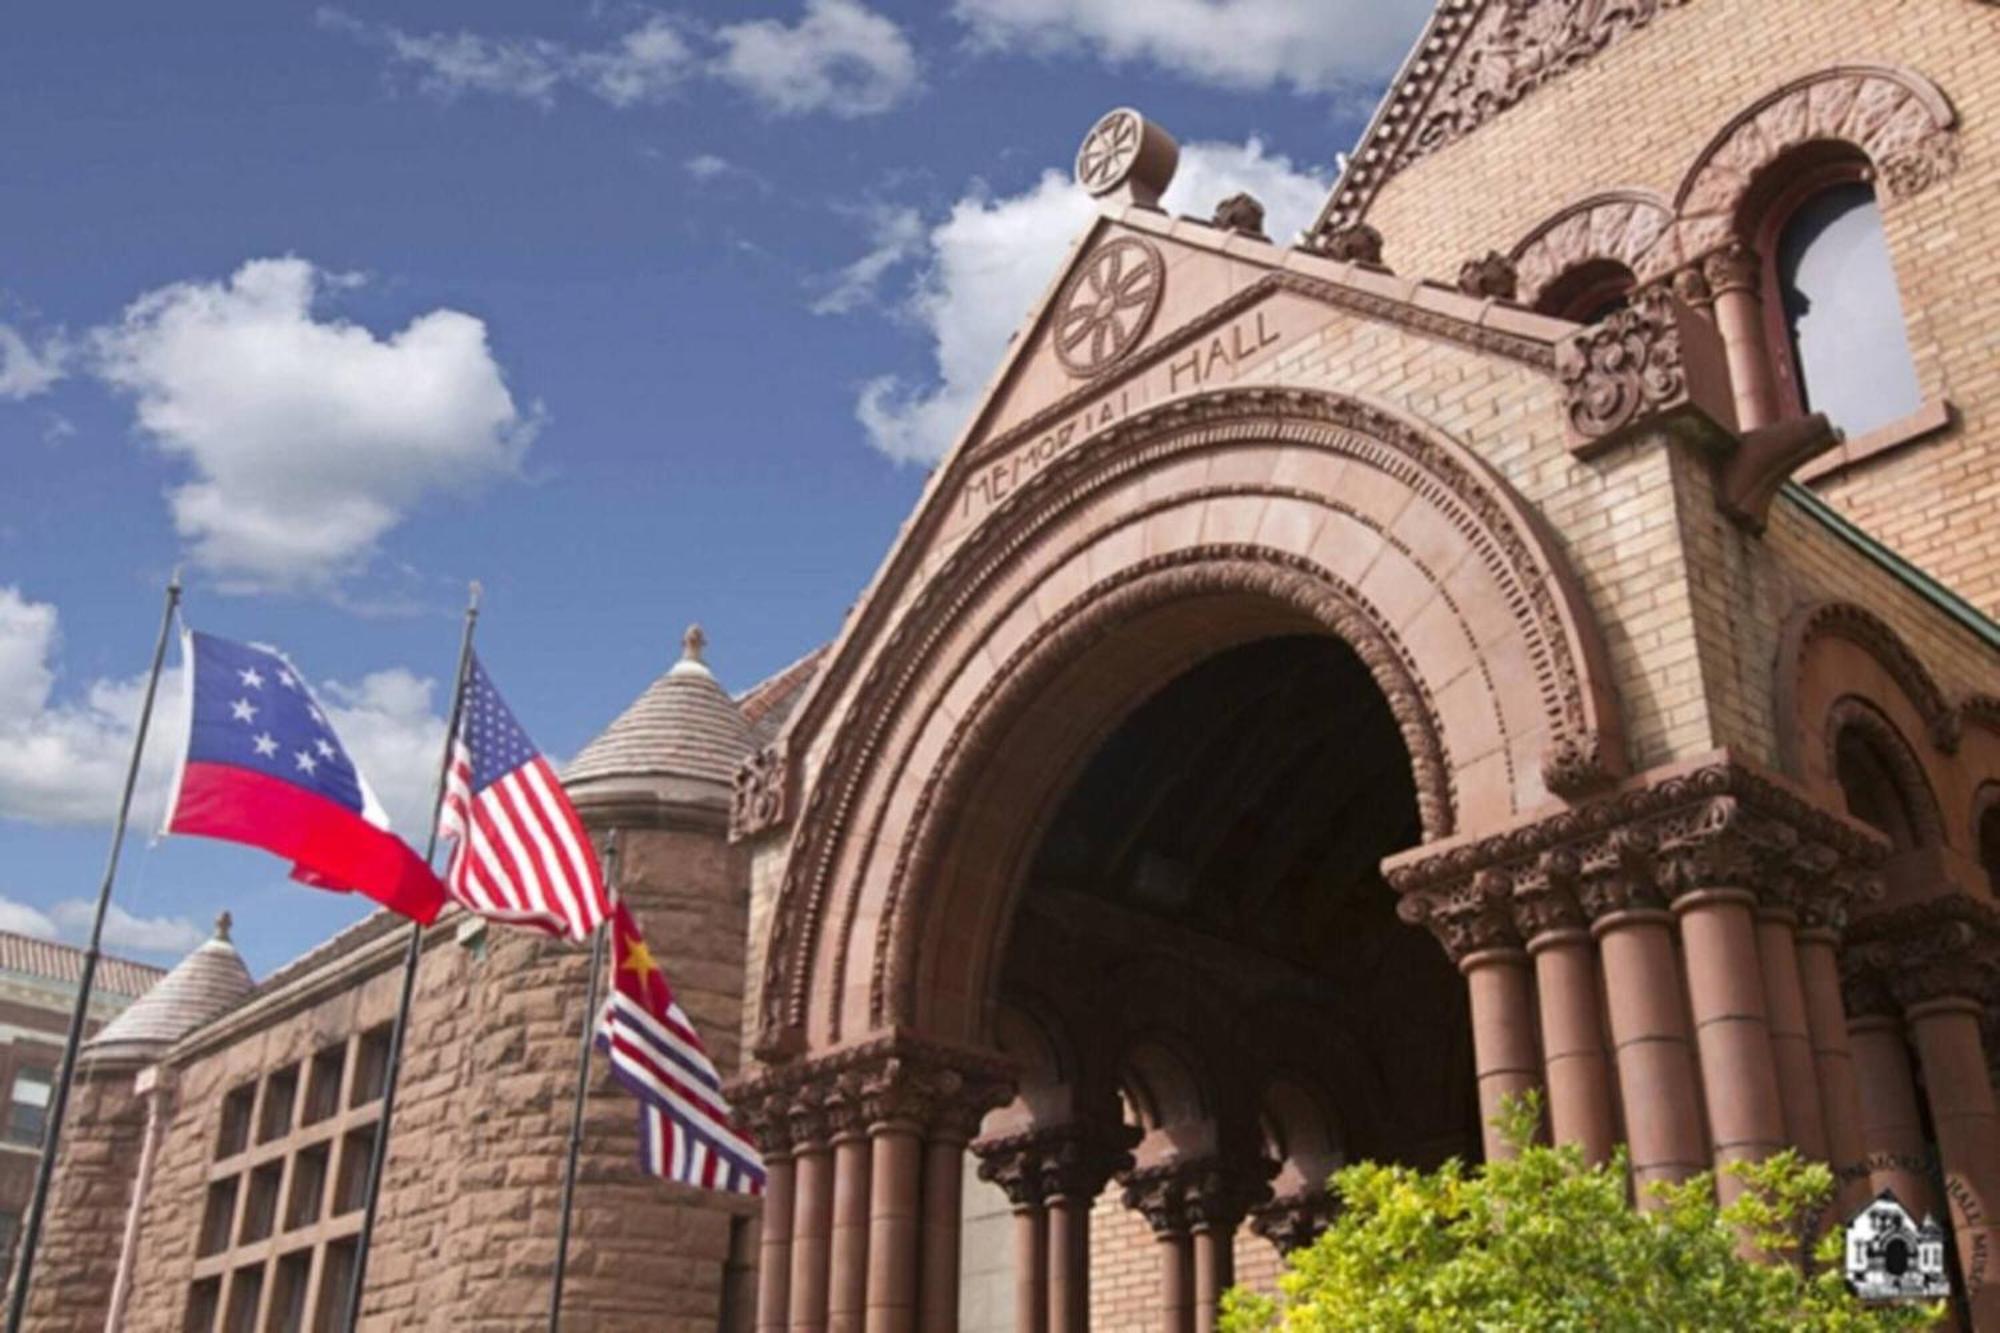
687 1132
263 766
519 854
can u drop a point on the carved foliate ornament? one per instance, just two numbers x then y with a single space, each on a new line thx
1492 276
1469 918
1357 243
1627 367
1242 214
1069 1161
1125 150
1545 898
1294 1221
1197 1194
1946 948
1106 306
758 797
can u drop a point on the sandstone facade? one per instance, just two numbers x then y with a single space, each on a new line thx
1327 689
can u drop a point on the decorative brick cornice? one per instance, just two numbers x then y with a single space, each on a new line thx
1719 824
1475 59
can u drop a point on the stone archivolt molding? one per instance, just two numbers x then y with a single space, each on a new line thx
937 1090
1853 713
1619 226
1475 59
1895 116
1947 948
1876 637
1720 826
1562 640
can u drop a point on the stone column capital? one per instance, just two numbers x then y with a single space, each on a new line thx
1294 1221
1192 1195
1943 949
925 1087
1470 918
1545 896
1733 267
1048 1162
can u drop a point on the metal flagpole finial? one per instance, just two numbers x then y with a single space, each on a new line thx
174 581
476 591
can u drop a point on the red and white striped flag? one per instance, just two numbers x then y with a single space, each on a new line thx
519 852
687 1132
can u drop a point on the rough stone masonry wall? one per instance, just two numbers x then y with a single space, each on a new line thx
1638 114
92 1190
465 1237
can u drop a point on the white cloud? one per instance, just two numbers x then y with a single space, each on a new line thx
63 761
841 57
308 438
21 919
127 933
898 234
989 259
27 369
708 167
1328 46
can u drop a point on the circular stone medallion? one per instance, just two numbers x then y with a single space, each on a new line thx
1104 308
1109 151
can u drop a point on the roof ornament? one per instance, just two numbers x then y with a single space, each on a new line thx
223 922
692 643
1128 156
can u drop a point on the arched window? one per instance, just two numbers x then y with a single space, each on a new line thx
1840 343
1589 292
1875 794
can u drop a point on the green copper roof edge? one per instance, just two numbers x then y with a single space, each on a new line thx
1964 612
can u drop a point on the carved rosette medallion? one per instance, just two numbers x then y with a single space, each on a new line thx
1109 151
1107 304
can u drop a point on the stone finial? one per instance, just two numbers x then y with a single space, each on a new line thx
1493 277
223 922
1125 153
693 643
1241 213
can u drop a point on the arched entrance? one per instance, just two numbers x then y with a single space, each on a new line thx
1032 717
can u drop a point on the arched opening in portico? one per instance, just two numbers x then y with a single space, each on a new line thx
1202 913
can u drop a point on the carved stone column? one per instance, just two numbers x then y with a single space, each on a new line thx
812 1218
1475 924
1735 279
1939 960
1649 1033
1707 871
1053 1174
1892 1123
1159 1194
847 1282
1014 1163
898 1099
767 1119
1822 917
1218 1199
1784 880
1573 1060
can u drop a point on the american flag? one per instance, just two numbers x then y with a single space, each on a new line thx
687 1132
519 853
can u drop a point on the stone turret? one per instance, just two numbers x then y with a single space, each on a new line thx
120 1105
660 778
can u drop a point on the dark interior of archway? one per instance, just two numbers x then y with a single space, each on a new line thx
1223 845
1874 796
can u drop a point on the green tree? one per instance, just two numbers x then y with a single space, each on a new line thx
1544 1240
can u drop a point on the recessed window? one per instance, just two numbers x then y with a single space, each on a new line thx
28 1112
1843 317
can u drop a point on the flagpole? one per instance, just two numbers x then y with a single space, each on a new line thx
582 1092
411 956
31 1234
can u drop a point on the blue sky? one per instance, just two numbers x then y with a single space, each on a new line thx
639 315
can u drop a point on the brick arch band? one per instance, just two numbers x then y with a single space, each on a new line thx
1619 226
1275 511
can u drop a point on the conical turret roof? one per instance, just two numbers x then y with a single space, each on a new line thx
685 727
202 987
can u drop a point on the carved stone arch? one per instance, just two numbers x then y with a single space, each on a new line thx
1894 116
1269 512
1805 687
1618 226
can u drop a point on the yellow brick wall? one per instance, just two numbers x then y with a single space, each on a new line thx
1639 114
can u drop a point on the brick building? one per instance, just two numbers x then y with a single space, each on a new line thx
1534 630
38 981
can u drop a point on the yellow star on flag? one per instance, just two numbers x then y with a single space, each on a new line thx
639 959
